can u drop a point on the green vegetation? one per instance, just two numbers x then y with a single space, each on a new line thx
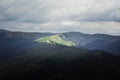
55 39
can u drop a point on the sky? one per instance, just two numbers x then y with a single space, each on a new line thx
87 16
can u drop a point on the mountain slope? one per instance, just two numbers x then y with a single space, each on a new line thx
94 42
55 39
14 44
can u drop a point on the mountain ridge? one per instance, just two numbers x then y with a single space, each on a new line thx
92 42
5 30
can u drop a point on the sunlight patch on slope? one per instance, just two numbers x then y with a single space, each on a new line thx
55 39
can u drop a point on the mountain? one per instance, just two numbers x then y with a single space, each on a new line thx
60 56
94 42
104 42
17 43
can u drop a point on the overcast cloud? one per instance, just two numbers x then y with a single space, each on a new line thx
87 16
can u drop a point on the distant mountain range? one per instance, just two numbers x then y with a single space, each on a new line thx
60 56
104 42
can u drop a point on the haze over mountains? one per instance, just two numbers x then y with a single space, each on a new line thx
58 56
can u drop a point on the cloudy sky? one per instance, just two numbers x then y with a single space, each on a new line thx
87 16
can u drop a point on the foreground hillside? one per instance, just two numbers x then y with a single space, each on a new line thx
60 62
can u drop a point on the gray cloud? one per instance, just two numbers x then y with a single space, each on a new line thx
23 10
61 15
85 10
45 10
